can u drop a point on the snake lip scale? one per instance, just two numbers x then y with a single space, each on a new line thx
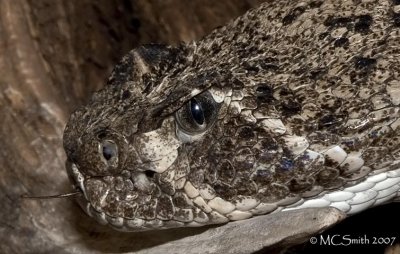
292 105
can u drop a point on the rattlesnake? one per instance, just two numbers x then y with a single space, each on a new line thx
294 104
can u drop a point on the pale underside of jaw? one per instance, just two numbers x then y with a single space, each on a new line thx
377 189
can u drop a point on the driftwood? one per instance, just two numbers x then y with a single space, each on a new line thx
53 54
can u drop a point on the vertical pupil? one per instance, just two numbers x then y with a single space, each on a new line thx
196 111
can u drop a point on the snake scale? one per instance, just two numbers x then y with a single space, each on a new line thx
294 104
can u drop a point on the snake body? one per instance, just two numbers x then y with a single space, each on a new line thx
294 104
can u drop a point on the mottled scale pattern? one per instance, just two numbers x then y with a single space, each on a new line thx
300 108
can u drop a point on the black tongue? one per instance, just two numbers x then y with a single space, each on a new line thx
63 195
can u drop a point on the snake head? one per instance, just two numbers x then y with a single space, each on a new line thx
165 145
125 147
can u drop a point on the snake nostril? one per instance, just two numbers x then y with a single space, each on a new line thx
109 150
108 153
149 173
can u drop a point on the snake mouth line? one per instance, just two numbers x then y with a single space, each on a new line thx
76 178
132 225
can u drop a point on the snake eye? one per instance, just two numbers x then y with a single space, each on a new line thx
109 151
198 114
